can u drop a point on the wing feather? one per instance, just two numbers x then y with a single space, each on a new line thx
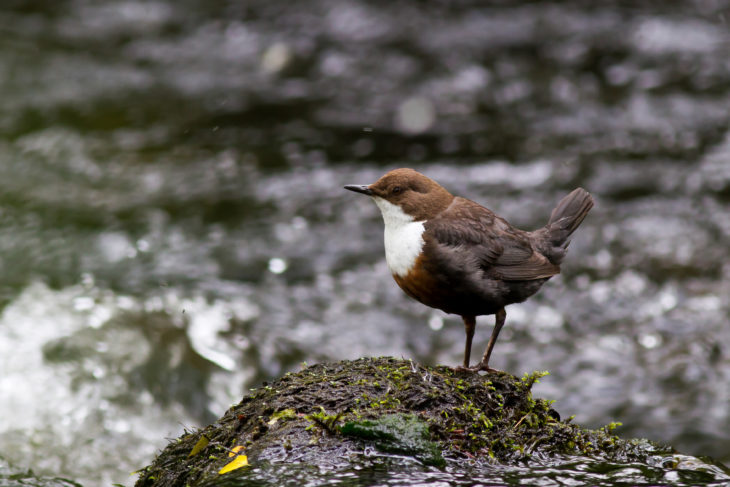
501 251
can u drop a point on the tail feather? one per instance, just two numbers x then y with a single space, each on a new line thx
565 218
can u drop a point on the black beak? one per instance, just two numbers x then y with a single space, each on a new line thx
360 188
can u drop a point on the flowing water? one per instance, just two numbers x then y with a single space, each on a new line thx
173 228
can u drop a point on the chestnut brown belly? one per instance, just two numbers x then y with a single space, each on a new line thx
438 292
462 296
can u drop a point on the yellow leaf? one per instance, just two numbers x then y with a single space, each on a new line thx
235 450
238 462
202 443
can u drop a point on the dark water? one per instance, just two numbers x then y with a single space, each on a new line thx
173 228
398 472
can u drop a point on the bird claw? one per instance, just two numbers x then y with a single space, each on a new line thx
481 366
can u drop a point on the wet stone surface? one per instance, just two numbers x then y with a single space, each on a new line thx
336 416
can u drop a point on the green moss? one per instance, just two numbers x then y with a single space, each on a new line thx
282 415
326 421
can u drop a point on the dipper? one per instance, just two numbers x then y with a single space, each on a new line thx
455 255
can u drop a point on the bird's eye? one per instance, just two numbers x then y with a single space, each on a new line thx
396 190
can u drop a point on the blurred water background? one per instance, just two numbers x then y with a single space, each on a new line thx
173 228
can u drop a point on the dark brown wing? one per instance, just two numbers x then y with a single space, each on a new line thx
502 251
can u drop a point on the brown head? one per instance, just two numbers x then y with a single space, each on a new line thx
417 195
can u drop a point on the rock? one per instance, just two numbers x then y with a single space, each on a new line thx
334 413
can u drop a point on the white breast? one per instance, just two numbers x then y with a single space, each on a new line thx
403 237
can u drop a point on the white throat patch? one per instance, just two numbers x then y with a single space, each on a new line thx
403 237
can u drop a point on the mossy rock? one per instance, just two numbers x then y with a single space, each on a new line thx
436 415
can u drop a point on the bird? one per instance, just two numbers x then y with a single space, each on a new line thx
455 255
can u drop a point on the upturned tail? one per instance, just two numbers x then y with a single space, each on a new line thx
553 239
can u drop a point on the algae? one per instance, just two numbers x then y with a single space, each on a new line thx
398 433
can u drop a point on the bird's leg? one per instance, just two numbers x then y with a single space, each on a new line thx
499 318
470 323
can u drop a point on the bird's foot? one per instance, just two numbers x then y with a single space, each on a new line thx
481 366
